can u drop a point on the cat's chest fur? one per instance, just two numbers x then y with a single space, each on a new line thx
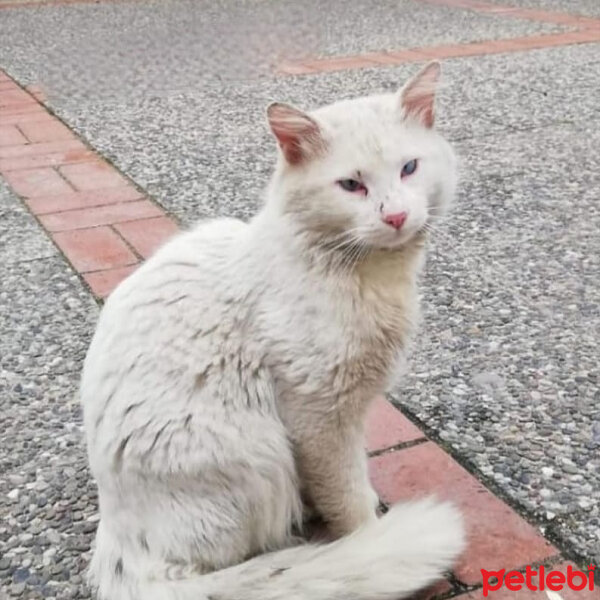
342 336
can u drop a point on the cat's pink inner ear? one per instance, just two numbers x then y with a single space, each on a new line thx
298 134
417 97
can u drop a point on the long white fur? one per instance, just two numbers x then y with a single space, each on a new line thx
229 377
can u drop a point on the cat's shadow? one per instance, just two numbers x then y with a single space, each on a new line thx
314 530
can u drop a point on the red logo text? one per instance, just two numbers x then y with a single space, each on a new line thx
538 580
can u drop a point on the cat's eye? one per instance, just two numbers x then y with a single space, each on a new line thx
409 168
352 185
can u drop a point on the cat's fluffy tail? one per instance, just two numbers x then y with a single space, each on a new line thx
407 549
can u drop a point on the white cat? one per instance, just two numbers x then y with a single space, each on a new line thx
229 377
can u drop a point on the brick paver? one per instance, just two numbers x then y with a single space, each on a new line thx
44 203
50 159
15 97
102 283
10 135
100 215
92 175
146 235
35 182
388 427
46 131
94 249
42 149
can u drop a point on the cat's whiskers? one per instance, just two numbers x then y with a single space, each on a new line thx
340 239
362 253
334 256
352 258
433 217
323 252
434 229
346 250
357 251
348 253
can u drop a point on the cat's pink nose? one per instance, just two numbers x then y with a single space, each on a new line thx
396 220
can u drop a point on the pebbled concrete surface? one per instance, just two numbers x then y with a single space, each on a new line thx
47 499
158 46
506 370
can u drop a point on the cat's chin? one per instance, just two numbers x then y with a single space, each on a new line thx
400 241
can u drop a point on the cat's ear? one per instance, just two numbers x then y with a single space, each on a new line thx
417 97
298 134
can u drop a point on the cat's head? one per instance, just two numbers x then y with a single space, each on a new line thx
371 170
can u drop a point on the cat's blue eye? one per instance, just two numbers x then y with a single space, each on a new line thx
409 168
352 185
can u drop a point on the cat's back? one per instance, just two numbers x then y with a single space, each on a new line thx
190 268
158 326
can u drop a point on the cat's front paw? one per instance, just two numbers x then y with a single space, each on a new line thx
309 512
374 498
358 511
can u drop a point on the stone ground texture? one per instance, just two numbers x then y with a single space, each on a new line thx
505 374
48 501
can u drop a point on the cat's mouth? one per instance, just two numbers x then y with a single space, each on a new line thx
352 250
396 240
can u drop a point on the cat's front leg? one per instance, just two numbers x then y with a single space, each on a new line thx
333 468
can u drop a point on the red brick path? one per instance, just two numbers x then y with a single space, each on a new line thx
584 30
105 227
102 223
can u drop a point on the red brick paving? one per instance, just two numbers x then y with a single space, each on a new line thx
43 203
388 427
515 12
340 63
105 227
18 117
18 109
102 283
498 536
33 182
146 235
587 31
43 149
437 589
94 249
92 175
394 57
46 131
52 159
100 215
10 135
77 196
37 92
15 97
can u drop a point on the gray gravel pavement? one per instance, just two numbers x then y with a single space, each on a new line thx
47 499
142 48
506 372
